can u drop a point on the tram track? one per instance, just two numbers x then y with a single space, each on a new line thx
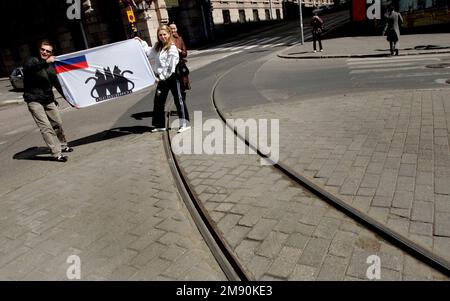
395 238
226 257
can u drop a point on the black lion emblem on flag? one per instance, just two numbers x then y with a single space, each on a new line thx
110 84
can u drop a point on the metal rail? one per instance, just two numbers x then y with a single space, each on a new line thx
393 237
223 254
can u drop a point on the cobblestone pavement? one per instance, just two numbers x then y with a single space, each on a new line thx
280 231
385 153
118 210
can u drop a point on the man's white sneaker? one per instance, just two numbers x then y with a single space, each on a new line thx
315 51
158 130
184 128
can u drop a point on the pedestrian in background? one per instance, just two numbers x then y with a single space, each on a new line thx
39 79
166 58
182 51
392 29
317 29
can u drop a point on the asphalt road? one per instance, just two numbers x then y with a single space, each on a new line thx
20 138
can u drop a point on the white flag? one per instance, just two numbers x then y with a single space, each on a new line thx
103 73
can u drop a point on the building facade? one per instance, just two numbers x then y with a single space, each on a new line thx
101 22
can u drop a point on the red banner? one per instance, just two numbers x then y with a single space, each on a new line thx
359 10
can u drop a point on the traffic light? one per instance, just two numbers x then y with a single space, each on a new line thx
87 7
130 15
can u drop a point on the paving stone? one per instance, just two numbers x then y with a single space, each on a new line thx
407 170
400 225
403 199
246 250
333 268
421 228
382 201
303 273
442 203
237 234
272 245
284 264
258 265
442 224
315 252
358 264
442 245
262 229
422 211
442 185
228 222
343 244
327 228
252 217
424 193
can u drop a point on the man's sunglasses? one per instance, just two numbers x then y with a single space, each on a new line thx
46 50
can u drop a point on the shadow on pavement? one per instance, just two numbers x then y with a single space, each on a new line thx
43 153
141 115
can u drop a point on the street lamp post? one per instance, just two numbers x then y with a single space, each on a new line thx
270 6
301 21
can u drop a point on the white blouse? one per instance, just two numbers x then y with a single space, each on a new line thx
164 61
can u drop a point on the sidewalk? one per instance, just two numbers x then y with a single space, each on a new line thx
372 46
385 153
114 204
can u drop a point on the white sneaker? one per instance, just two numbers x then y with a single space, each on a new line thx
183 128
321 50
315 51
158 130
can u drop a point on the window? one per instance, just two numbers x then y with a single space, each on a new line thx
226 16
255 15
278 14
267 14
242 16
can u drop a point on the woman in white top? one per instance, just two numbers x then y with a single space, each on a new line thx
165 56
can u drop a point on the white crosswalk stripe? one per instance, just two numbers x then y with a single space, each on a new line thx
385 70
250 44
397 66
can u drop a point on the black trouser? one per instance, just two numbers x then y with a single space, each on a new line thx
162 90
317 37
393 46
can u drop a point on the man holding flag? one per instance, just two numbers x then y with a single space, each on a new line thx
39 79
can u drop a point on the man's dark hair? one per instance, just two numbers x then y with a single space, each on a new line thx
49 43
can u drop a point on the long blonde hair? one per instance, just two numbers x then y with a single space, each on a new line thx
159 45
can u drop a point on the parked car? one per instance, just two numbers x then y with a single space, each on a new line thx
16 78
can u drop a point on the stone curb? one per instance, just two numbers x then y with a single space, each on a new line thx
354 55
11 102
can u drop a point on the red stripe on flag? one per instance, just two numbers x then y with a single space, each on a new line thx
359 10
65 68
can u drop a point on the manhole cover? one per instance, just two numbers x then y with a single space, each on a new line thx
442 65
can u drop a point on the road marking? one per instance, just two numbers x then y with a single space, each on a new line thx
250 47
392 58
276 45
379 66
385 70
393 61
3 142
411 75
